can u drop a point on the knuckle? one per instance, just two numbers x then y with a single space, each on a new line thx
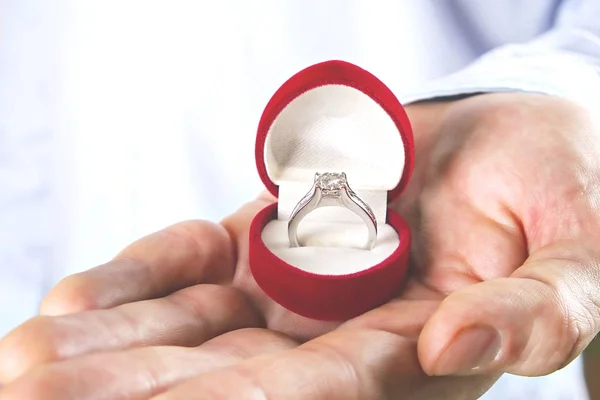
577 294
191 303
196 233
567 312
569 339
72 294
243 343
251 383
192 239
179 237
234 308
184 237
236 223
202 241
194 299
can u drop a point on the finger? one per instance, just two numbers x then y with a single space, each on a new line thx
279 318
141 373
188 317
404 316
182 255
532 324
351 363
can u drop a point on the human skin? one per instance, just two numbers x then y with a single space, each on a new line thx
504 208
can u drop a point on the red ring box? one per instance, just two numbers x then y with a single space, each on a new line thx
332 117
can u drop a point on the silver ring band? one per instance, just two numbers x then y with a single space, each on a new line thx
332 189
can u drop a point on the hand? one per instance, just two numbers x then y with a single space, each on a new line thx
504 209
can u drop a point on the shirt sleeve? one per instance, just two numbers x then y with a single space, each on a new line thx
564 62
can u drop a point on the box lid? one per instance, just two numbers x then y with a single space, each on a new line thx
335 117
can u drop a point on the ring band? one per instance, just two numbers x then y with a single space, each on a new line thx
332 189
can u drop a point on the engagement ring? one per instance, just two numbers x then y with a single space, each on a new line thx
332 189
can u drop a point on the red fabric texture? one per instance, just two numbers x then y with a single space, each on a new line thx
336 73
327 297
331 297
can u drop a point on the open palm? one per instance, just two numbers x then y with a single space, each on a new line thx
503 206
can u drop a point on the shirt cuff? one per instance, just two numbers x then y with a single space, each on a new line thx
512 69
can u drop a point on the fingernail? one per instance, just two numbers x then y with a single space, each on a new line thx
471 350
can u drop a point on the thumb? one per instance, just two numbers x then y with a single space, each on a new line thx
533 323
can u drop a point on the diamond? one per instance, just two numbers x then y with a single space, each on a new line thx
331 181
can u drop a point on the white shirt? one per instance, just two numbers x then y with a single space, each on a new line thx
119 117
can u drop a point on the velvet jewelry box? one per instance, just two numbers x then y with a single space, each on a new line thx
332 117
